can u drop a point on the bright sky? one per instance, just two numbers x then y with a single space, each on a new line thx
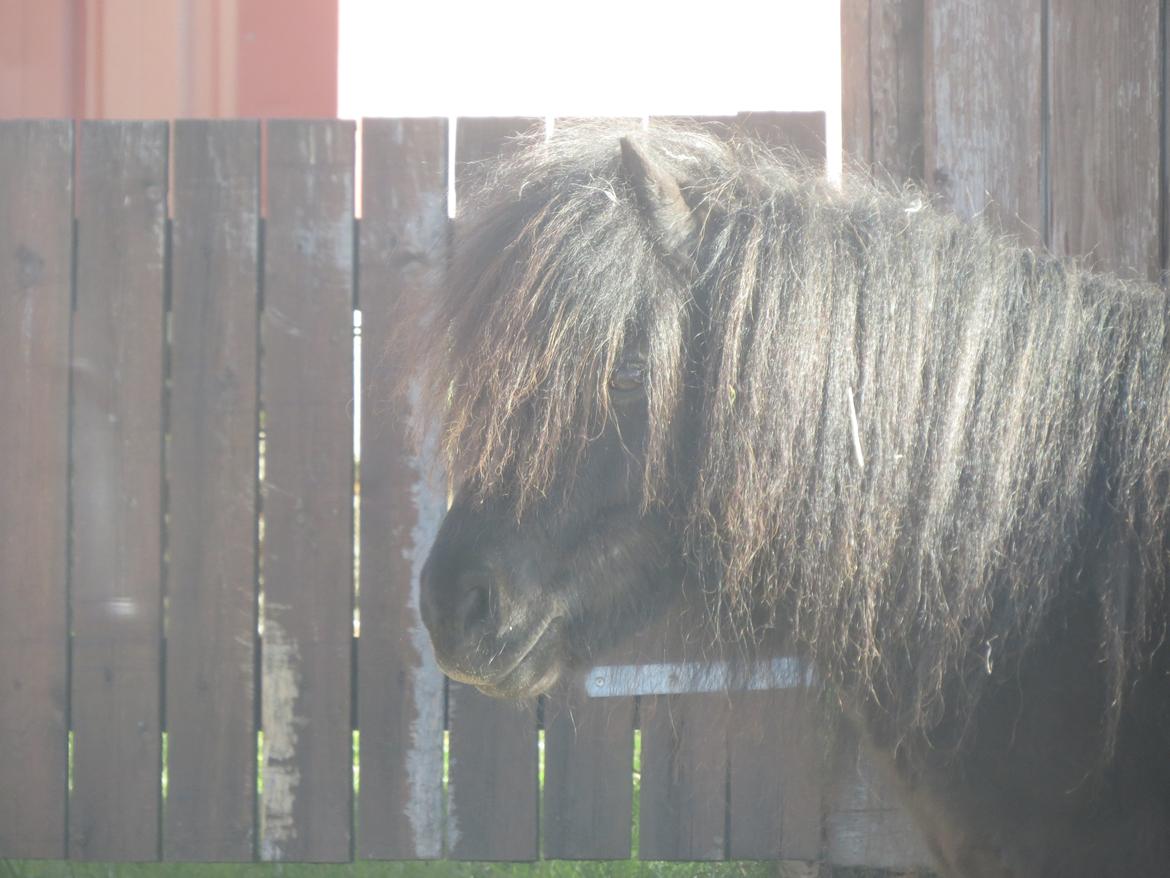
590 58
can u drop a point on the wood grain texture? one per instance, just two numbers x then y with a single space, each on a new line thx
705 758
492 785
1105 78
865 825
117 501
773 745
306 392
883 89
212 502
984 127
776 776
588 755
36 238
800 132
404 233
803 133
492 782
684 790
856 104
683 804
588 781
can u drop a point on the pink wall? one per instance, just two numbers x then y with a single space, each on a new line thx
104 59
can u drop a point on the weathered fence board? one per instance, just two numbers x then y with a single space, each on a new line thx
683 800
984 106
776 762
705 755
493 753
404 234
774 756
684 777
36 230
116 489
587 808
306 394
856 101
803 133
882 53
885 129
865 825
588 781
211 493
1105 72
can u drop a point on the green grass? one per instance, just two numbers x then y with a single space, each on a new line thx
632 868
442 869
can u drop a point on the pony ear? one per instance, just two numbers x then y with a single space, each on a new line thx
661 201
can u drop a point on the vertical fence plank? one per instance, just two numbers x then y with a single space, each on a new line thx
588 778
896 87
1105 77
803 133
984 126
306 393
117 503
774 766
856 105
36 221
683 797
211 479
705 754
882 56
492 791
866 825
776 753
684 777
404 233
588 764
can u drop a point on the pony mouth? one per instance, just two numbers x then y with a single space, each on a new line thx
533 669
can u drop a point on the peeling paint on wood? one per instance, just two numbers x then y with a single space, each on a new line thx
282 725
403 249
423 761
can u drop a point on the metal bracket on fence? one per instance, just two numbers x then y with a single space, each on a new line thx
679 678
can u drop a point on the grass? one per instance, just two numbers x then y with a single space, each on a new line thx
440 869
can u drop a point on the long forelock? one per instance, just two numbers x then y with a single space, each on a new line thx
553 271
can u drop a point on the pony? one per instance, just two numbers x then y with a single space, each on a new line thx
933 463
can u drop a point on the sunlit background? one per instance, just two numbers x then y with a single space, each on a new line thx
601 58
160 59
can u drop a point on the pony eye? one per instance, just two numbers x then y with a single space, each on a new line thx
628 377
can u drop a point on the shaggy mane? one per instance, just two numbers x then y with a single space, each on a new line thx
894 431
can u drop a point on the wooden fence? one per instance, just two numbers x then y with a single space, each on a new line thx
1046 116
196 568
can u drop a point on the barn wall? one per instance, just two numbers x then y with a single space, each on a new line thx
159 59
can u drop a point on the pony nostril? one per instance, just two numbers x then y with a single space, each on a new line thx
475 602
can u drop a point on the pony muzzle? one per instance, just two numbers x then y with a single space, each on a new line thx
501 652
